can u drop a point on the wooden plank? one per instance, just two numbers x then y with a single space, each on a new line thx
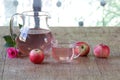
109 68
83 68
2 58
92 36
2 63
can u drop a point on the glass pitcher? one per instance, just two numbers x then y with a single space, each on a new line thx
34 34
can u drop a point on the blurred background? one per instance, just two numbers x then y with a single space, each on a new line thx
79 13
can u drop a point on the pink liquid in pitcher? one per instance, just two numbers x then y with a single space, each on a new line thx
36 38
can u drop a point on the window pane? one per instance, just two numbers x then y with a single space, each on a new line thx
67 12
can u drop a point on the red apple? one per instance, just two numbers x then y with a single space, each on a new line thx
102 51
36 56
82 48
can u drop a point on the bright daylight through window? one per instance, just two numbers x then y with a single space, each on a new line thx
86 13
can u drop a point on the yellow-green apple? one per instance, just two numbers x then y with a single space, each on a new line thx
36 56
101 51
81 48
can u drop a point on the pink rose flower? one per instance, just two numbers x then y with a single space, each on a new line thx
12 52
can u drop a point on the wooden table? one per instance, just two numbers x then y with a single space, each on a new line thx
83 68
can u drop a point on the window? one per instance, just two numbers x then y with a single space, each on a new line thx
67 12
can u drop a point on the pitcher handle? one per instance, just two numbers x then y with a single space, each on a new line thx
11 24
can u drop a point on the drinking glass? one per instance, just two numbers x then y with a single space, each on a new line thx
63 51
